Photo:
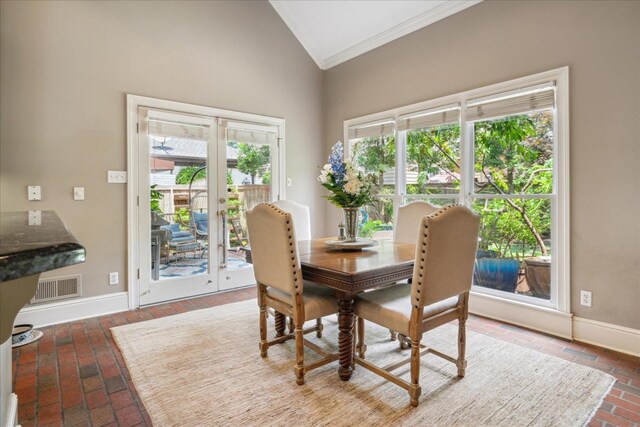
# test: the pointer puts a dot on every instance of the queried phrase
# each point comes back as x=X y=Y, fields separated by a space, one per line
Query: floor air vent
x=57 y=288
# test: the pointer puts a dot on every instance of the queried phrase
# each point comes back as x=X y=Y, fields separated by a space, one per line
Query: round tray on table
x=358 y=245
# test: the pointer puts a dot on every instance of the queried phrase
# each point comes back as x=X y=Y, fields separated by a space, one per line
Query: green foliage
x=512 y=156
x=185 y=174
x=154 y=197
x=433 y=151
x=233 y=208
x=253 y=159
x=368 y=228
x=266 y=177
x=229 y=179
x=515 y=156
x=182 y=216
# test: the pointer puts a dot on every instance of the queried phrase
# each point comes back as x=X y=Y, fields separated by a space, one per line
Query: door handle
x=223 y=245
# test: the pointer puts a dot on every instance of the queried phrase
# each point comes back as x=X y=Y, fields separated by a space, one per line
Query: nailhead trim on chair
x=291 y=251
x=424 y=250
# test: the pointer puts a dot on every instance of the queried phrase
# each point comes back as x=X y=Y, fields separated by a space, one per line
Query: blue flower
x=336 y=161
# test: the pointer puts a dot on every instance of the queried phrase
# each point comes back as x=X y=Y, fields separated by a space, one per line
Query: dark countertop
x=32 y=249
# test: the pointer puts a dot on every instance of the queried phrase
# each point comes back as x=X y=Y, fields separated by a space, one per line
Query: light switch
x=117 y=177
x=34 y=193
x=35 y=218
x=78 y=193
x=289 y=182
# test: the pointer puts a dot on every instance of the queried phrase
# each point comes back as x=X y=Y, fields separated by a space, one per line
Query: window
x=499 y=150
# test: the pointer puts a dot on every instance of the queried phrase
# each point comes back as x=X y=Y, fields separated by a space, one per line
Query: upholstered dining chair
x=439 y=293
x=408 y=220
x=407 y=223
x=280 y=285
x=301 y=217
x=302 y=226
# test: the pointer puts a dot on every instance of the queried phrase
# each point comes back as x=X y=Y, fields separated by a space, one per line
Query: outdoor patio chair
x=179 y=241
x=439 y=293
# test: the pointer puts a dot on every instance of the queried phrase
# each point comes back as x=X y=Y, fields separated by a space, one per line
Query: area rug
x=203 y=368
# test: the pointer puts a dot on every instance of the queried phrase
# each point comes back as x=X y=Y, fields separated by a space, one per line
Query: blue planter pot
x=497 y=273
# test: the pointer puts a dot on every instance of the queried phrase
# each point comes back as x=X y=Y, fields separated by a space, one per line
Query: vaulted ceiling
x=334 y=31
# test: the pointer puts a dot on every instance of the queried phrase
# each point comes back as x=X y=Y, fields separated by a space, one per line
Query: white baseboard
x=12 y=416
x=541 y=319
x=607 y=335
x=73 y=309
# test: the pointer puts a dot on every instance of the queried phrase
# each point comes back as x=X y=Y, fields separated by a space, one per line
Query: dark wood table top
x=356 y=271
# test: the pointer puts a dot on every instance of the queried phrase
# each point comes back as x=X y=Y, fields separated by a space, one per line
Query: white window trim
x=135 y=101
x=522 y=310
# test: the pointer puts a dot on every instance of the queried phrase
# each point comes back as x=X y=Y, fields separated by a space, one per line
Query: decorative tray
x=358 y=245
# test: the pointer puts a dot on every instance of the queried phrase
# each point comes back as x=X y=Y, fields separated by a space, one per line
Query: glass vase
x=351 y=224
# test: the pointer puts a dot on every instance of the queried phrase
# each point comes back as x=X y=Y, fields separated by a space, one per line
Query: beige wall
x=497 y=41
x=65 y=68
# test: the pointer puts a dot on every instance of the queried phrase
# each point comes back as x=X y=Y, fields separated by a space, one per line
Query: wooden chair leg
x=264 y=345
x=291 y=328
x=462 y=341
x=280 y=321
x=394 y=335
x=320 y=328
x=299 y=369
x=362 y=348
x=402 y=341
x=414 y=388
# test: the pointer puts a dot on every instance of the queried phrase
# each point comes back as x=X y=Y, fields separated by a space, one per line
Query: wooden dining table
x=350 y=273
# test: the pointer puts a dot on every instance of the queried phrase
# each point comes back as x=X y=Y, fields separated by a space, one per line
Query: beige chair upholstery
x=408 y=220
x=280 y=285
x=301 y=217
x=405 y=230
x=442 y=275
x=302 y=227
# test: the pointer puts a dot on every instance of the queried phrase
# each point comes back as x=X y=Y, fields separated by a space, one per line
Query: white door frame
x=133 y=238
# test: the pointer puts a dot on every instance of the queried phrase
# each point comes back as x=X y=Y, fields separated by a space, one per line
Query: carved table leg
x=345 y=338
x=280 y=321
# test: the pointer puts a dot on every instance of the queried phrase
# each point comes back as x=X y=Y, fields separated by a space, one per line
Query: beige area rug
x=203 y=368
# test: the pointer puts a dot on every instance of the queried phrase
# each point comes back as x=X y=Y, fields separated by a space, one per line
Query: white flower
x=353 y=186
x=324 y=176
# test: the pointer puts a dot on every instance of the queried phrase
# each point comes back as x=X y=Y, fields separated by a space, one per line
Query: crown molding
x=295 y=29
x=427 y=18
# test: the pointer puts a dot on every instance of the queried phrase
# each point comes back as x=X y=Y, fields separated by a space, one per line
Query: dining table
x=352 y=272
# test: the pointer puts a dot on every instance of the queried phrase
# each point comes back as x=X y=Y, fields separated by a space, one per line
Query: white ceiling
x=334 y=31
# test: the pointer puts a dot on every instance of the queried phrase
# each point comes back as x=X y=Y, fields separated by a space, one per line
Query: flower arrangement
x=350 y=187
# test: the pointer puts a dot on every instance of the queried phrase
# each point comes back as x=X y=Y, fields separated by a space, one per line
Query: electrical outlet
x=113 y=278
x=78 y=193
x=34 y=192
x=585 y=298
x=35 y=218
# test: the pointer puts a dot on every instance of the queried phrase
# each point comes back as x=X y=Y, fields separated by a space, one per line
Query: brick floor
x=75 y=375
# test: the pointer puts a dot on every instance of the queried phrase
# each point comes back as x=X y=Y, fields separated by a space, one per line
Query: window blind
x=175 y=125
x=372 y=130
x=251 y=136
x=429 y=118
x=510 y=103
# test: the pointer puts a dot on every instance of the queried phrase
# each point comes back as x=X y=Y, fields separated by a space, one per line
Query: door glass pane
x=248 y=184
x=514 y=251
x=514 y=155
x=179 y=216
x=377 y=155
x=433 y=160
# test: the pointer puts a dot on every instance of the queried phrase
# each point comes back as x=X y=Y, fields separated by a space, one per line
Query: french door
x=197 y=176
